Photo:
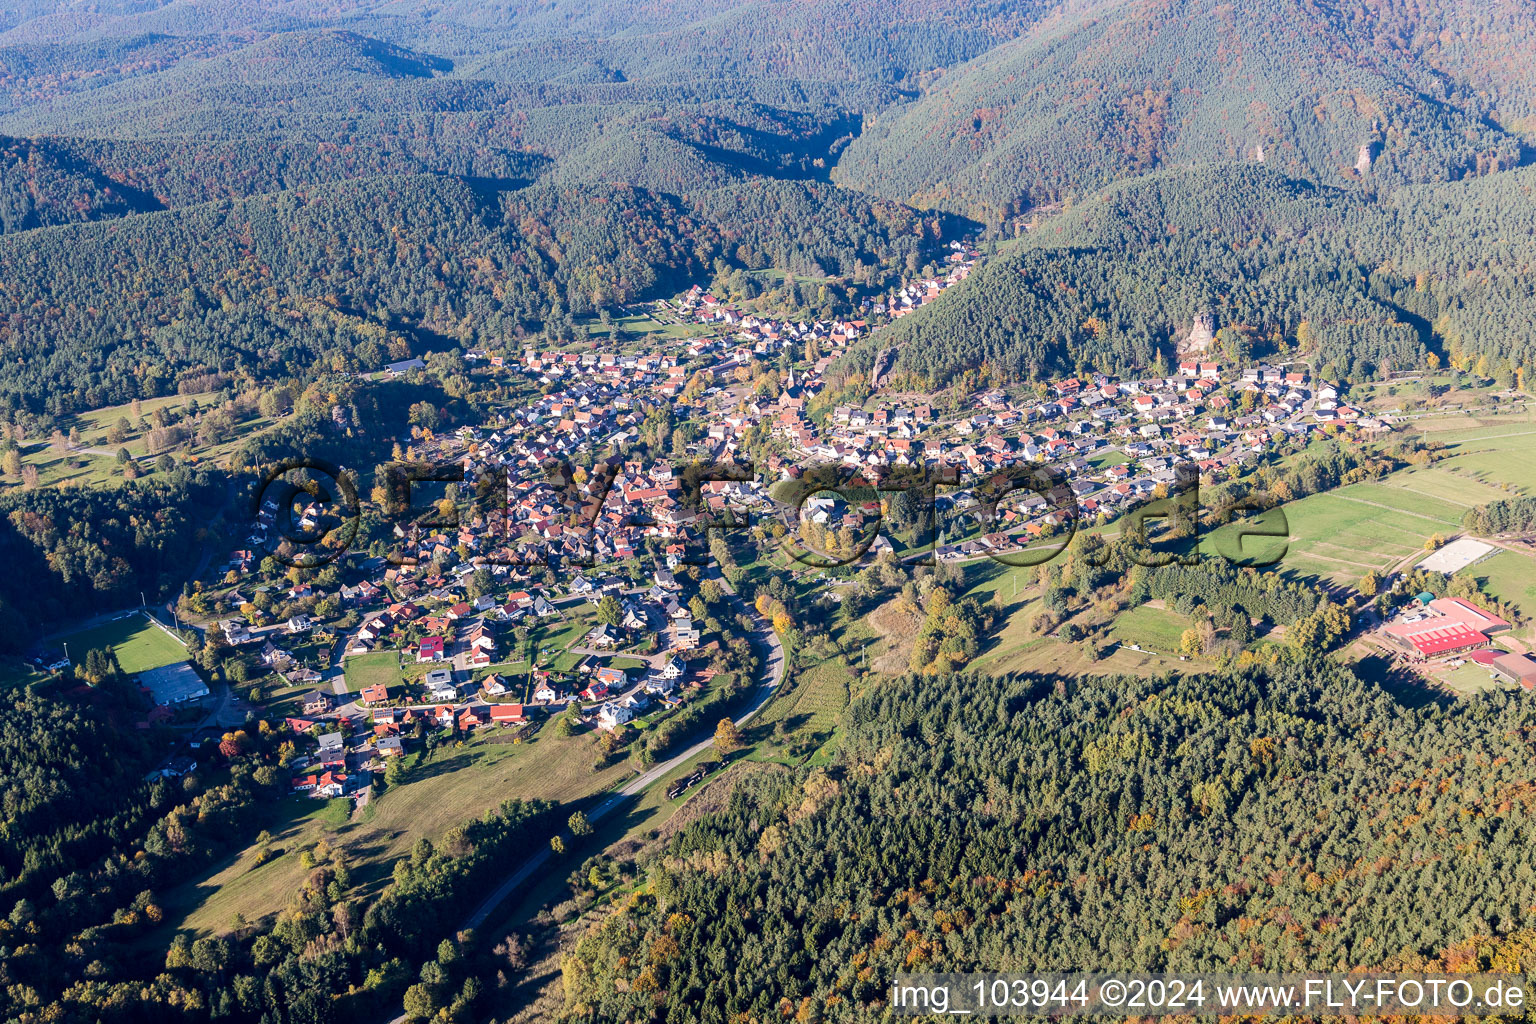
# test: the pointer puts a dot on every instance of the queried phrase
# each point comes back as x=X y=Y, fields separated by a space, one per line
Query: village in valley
x=618 y=567
x=559 y=582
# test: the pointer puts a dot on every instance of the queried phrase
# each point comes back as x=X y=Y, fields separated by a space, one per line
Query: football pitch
x=139 y=644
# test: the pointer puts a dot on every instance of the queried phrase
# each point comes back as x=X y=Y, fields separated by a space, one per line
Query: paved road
x=772 y=675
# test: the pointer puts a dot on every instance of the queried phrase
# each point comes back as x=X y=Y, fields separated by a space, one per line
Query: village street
x=770 y=676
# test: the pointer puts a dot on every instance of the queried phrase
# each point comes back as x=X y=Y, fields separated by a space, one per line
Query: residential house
x=611 y=716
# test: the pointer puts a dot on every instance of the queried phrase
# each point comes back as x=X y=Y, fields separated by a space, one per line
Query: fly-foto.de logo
x=308 y=513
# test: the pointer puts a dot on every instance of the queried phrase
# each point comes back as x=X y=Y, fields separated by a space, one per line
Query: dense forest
x=1039 y=824
x=467 y=174
x=1119 y=88
x=305 y=281
x=1424 y=276
x=1512 y=515
x=456 y=174
x=92 y=844
x=78 y=551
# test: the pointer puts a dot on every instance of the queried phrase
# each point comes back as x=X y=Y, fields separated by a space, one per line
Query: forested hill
x=1363 y=285
x=177 y=104
x=1119 y=88
x=305 y=151
x=826 y=40
x=1260 y=821
x=308 y=69
x=42 y=183
x=309 y=280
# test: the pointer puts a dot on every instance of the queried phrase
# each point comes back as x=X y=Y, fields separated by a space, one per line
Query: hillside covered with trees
x=274 y=285
x=1110 y=90
x=1422 y=276
x=1040 y=824
x=470 y=174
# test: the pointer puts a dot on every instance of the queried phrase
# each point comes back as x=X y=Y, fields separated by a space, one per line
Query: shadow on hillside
x=1406 y=687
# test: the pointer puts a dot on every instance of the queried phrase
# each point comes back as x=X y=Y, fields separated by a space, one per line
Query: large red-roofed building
x=1450 y=625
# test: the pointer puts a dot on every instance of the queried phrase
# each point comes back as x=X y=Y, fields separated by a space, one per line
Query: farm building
x=1446 y=626
x=1516 y=668
x=174 y=684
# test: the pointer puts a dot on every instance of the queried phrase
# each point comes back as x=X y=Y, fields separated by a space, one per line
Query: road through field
x=771 y=674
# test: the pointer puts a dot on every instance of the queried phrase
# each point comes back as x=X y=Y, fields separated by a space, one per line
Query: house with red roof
x=508 y=714
x=322 y=786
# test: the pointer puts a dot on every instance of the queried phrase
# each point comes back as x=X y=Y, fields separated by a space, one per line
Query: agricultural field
x=805 y=709
x=1502 y=457
x=1340 y=535
x=139 y=644
x=1047 y=654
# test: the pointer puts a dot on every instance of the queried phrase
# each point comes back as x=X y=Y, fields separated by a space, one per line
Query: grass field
x=1045 y=654
x=18 y=672
x=1509 y=576
x=643 y=326
x=59 y=465
x=458 y=783
x=1341 y=534
x=285 y=701
x=363 y=670
x=806 y=708
x=78 y=468
x=1484 y=463
x=1104 y=460
x=1469 y=680
x=555 y=635
x=1156 y=629
x=138 y=644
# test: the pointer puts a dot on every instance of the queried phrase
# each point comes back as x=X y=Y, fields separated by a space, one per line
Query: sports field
x=138 y=644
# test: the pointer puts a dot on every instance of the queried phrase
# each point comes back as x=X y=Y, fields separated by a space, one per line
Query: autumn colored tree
x=727 y=737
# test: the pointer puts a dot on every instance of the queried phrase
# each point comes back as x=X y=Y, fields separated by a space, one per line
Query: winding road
x=772 y=674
